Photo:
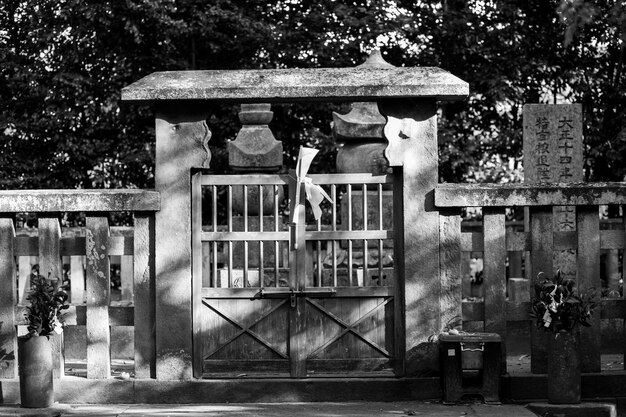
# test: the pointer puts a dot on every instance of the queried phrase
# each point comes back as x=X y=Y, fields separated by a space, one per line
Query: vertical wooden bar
x=349 y=192
x=612 y=269
x=450 y=261
x=245 y=243
x=318 y=248
x=301 y=278
x=541 y=254
x=399 y=303
x=126 y=277
x=494 y=271
x=261 y=260
x=206 y=264
x=381 y=245
x=297 y=280
x=213 y=281
x=25 y=269
x=333 y=195
x=196 y=272
x=77 y=285
x=98 y=297
x=144 y=289
x=50 y=247
x=182 y=137
x=229 y=220
x=588 y=276
x=365 y=245
x=624 y=292
x=50 y=267
x=8 y=334
x=276 y=244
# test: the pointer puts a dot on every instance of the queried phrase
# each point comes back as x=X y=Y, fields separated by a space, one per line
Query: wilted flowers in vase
x=47 y=301
x=559 y=306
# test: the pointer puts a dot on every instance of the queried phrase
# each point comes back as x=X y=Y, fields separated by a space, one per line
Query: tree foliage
x=63 y=64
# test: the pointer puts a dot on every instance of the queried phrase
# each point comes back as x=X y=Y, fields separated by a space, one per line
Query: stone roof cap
x=288 y=85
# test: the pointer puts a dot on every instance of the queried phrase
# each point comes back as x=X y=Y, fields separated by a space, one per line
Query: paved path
x=396 y=409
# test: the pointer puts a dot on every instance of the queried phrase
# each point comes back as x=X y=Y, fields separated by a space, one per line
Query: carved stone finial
x=375 y=60
x=361 y=130
x=255 y=148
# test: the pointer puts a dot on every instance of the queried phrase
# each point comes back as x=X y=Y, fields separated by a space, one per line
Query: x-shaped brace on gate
x=349 y=328
x=245 y=329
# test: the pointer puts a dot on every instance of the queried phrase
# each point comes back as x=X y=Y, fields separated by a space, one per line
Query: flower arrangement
x=47 y=301
x=558 y=306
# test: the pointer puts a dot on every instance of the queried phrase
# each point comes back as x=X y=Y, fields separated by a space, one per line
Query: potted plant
x=45 y=319
x=560 y=309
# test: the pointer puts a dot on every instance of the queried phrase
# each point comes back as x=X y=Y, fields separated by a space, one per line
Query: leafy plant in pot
x=559 y=308
x=45 y=319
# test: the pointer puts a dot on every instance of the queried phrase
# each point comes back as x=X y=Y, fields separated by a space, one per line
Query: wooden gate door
x=274 y=297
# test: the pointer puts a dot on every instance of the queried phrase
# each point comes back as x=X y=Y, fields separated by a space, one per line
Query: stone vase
x=35 y=371
x=564 y=368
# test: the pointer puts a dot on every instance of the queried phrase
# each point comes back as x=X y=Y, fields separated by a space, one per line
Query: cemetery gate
x=275 y=298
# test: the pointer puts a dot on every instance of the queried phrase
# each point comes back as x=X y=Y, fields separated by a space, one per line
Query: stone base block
x=574 y=410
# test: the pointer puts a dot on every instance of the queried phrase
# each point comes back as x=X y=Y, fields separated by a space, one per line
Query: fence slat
x=24 y=271
x=624 y=292
x=98 y=297
x=542 y=248
x=77 y=282
x=145 y=351
x=126 y=277
x=450 y=264
x=50 y=266
x=588 y=276
x=8 y=335
x=494 y=273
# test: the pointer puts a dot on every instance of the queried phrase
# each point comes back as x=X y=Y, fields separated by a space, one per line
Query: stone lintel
x=520 y=195
x=286 y=85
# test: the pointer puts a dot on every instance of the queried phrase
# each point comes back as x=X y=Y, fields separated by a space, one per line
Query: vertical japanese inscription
x=542 y=149
x=553 y=148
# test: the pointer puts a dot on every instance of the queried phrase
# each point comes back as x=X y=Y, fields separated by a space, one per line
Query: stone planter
x=35 y=371
x=564 y=368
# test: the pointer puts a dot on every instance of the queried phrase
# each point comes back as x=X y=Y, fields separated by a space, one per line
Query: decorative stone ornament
x=361 y=131
x=255 y=148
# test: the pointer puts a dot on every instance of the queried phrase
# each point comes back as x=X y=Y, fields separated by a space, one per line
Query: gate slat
x=588 y=276
x=50 y=267
x=197 y=270
x=450 y=260
x=542 y=246
x=144 y=311
x=98 y=298
x=494 y=273
x=623 y=292
x=8 y=335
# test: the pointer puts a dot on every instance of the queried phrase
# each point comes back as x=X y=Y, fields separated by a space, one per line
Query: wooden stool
x=470 y=365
